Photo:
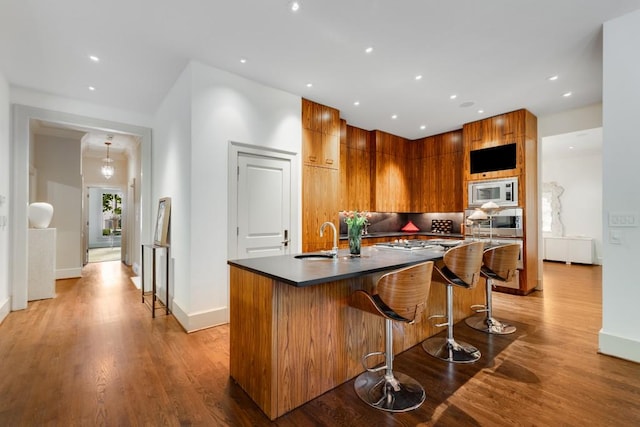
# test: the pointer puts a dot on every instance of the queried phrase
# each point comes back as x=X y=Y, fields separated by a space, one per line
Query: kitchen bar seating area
x=167 y=377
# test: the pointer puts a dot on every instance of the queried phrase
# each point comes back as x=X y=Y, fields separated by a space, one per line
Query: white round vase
x=40 y=214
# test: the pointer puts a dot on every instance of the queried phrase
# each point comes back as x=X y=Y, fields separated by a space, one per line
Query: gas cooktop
x=416 y=245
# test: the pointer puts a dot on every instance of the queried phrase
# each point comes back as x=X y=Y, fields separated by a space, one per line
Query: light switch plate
x=615 y=237
x=623 y=219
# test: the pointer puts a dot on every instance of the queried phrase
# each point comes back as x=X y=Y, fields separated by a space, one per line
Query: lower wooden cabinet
x=320 y=203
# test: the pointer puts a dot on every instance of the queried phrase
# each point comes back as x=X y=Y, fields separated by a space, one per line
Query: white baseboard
x=136 y=268
x=136 y=281
x=68 y=273
x=201 y=320
x=5 y=308
x=624 y=348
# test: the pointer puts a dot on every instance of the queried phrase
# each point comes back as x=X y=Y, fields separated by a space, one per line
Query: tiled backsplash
x=391 y=222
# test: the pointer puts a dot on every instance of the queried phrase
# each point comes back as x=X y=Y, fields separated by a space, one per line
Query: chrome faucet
x=334 y=250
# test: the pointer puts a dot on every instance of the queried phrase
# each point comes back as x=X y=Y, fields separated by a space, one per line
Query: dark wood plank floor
x=93 y=356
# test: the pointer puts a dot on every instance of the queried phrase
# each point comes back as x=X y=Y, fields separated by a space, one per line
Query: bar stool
x=399 y=296
x=460 y=266
x=500 y=264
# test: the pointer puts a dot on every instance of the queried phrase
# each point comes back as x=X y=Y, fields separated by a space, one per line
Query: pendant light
x=107 y=168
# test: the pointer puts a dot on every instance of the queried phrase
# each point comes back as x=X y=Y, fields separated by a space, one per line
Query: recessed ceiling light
x=552 y=78
x=395 y=116
x=294 y=6
x=419 y=77
x=356 y=103
x=91 y=88
x=480 y=111
x=571 y=147
x=423 y=127
x=94 y=58
x=567 y=94
x=369 y=49
x=243 y=60
x=453 y=96
x=309 y=84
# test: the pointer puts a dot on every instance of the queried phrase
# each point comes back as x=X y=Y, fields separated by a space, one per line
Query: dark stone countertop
x=402 y=234
x=308 y=272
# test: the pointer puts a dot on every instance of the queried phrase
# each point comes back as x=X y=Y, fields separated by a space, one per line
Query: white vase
x=40 y=214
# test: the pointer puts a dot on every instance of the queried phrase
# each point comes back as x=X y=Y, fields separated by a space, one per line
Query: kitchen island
x=293 y=335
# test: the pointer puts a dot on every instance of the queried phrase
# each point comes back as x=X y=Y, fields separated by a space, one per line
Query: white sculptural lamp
x=490 y=208
x=40 y=214
x=477 y=216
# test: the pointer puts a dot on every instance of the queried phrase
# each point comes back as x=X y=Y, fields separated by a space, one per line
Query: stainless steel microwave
x=503 y=192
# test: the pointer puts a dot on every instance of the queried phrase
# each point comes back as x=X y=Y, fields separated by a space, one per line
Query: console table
x=154 y=297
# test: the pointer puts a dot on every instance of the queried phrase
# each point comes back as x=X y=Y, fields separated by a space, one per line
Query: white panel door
x=264 y=194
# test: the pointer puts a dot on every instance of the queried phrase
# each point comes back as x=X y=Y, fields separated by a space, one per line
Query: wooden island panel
x=291 y=344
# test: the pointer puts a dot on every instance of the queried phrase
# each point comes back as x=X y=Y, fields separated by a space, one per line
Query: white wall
x=5 y=197
x=171 y=178
x=57 y=161
x=589 y=117
x=581 y=202
x=205 y=110
x=620 y=335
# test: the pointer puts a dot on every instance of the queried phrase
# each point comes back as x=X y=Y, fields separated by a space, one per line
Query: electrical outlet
x=623 y=219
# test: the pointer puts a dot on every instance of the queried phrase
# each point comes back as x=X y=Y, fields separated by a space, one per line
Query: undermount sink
x=313 y=256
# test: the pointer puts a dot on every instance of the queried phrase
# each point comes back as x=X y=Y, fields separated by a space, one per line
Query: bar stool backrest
x=465 y=261
x=501 y=261
x=405 y=291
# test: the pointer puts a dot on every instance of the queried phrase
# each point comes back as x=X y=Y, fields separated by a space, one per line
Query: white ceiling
x=92 y=142
x=581 y=143
x=495 y=53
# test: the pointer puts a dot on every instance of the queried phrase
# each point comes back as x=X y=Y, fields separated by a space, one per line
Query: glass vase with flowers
x=355 y=221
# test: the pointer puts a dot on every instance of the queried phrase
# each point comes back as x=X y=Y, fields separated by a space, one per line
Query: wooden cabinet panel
x=320 y=203
x=312 y=147
x=331 y=151
x=344 y=176
x=330 y=121
x=473 y=131
x=311 y=115
x=355 y=162
x=437 y=179
x=391 y=190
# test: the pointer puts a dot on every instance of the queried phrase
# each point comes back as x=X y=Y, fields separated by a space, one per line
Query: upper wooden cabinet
x=514 y=127
x=497 y=130
x=390 y=184
x=436 y=177
x=320 y=135
x=320 y=118
x=355 y=169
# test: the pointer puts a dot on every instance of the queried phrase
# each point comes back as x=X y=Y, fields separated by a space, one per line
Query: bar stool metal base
x=450 y=350
x=399 y=393
x=490 y=325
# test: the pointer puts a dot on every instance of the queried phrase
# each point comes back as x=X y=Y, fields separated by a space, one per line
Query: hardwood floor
x=94 y=356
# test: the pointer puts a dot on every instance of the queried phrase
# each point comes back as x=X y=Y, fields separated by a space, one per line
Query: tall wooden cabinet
x=519 y=127
x=355 y=168
x=320 y=173
x=390 y=185
x=436 y=173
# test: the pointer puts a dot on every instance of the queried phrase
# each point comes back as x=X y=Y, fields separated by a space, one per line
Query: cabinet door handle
x=329 y=161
